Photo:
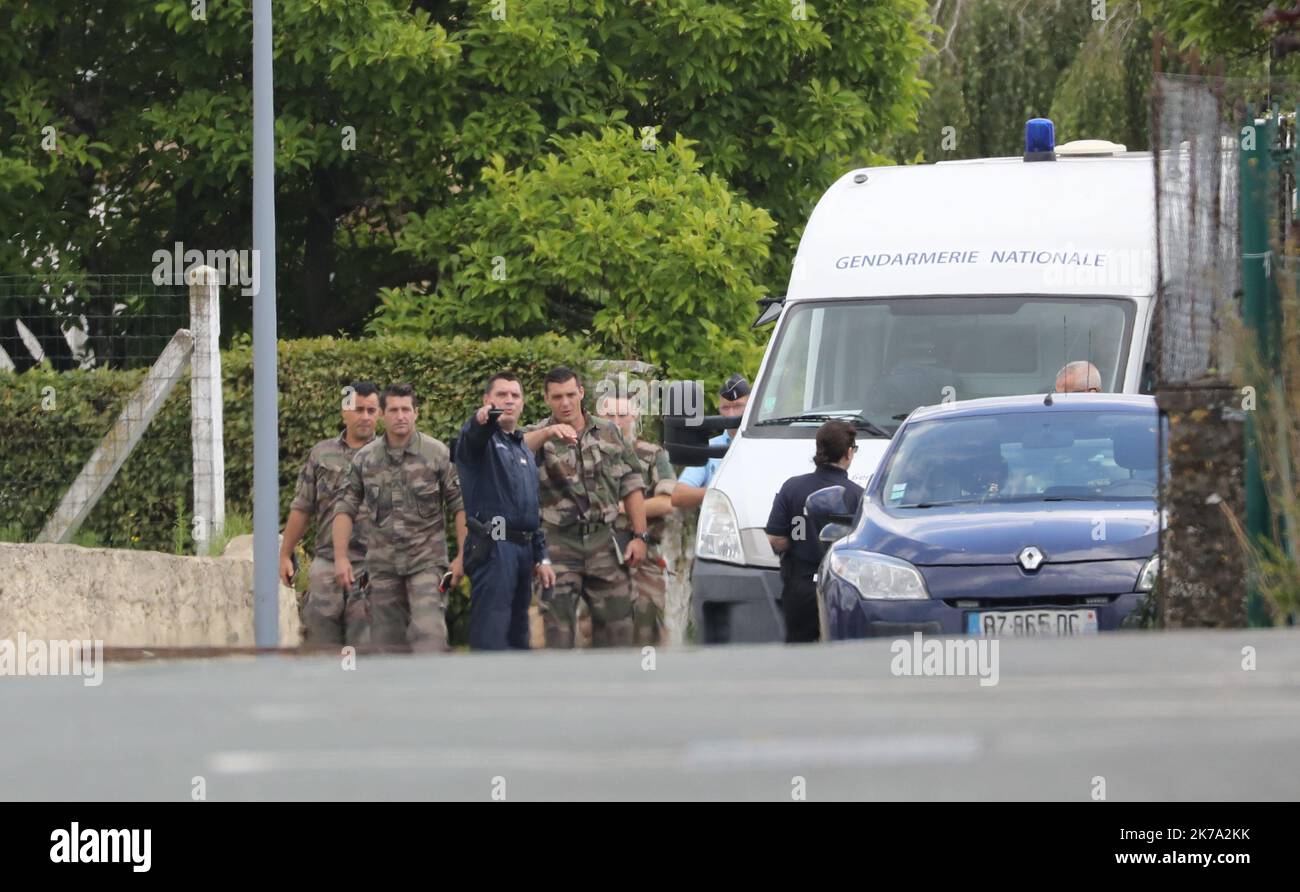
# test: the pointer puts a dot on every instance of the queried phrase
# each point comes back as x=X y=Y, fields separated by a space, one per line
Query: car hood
x=995 y=534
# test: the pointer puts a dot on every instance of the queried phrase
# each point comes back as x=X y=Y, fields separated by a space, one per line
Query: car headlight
x=1150 y=572
x=878 y=576
x=719 y=532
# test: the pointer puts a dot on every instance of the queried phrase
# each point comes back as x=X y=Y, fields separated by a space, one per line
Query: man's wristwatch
x=644 y=537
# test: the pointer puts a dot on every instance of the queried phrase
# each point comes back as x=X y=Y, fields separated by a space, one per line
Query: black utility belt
x=588 y=528
x=521 y=537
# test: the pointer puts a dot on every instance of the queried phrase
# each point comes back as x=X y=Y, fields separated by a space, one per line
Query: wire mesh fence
x=1196 y=141
x=1225 y=203
x=91 y=368
x=87 y=321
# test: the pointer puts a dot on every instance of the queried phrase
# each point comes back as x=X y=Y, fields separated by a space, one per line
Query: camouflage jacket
x=403 y=496
x=584 y=483
x=660 y=480
x=320 y=486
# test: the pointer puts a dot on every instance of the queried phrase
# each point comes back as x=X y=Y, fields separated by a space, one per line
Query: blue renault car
x=1031 y=516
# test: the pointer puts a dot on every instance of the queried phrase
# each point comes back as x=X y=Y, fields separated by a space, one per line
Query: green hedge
x=148 y=503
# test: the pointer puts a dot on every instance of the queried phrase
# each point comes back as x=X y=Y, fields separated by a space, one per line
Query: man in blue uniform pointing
x=505 y=546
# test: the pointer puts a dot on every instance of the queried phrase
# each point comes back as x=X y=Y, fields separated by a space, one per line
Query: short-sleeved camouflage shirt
x=320 y=485
x=403 y=494
x=584 y=483
x=660 y=480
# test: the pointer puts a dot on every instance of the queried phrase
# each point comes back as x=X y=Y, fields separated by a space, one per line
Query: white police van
x=916 y=285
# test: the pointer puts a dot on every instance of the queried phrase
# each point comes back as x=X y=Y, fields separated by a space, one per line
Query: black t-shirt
x=789 y=503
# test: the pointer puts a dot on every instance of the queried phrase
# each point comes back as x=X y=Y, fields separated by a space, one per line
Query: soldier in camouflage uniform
x=585 y=467
x=649 y=579
x=402 y=484
x=325 y=618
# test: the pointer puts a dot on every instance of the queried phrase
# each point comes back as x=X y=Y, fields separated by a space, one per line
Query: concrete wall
x=132 y=598
x=678 y=550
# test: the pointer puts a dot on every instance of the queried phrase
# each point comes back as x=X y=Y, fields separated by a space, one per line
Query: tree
x=1254 y=40
x=1215 y=27
x=997 y=63
x=152 y=104
x=1105 y=91
x=390 y=109
x=612 y=234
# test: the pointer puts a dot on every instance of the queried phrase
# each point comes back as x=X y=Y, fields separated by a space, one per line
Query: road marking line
x=905 y=749
x=714 y=755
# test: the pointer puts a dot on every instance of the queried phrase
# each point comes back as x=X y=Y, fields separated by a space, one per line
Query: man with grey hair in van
x=1078 y=377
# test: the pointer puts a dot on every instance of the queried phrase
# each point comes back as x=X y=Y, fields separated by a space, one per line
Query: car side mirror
x=833 y=532
x=827 y=506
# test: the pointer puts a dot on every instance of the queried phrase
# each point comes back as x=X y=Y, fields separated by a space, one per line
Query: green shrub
x=651 y=257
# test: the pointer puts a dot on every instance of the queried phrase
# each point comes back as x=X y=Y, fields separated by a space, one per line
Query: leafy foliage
x=1215 y=27
x=612 y=235
x=389 y=110
x=997 y=63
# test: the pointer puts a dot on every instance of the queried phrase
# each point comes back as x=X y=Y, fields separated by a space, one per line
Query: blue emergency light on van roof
x=1040 y=140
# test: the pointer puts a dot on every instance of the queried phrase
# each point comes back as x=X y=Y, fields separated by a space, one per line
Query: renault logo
x=1030 y=557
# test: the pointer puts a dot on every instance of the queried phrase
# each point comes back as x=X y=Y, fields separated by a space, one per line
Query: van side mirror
x=687 y=430
x=769 y=309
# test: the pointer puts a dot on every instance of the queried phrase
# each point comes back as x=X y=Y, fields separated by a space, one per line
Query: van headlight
x=1150 y=572
x=718 y=538
x=878 y=576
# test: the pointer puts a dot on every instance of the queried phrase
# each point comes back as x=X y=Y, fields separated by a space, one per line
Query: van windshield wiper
x=858 y=421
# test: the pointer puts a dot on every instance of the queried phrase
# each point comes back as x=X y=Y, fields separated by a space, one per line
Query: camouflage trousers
x=326 y=618
x=586 y=571
x=649 y=596
x=408 y=610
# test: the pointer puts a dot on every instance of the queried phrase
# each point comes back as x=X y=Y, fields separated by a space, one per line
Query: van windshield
x=875 y=360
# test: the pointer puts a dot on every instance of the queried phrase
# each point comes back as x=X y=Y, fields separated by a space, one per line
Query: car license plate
x=1031 y=623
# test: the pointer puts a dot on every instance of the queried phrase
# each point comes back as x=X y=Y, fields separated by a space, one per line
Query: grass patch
x=237 y=524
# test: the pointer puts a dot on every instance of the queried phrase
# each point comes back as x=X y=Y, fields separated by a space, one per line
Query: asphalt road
x=1157 y=715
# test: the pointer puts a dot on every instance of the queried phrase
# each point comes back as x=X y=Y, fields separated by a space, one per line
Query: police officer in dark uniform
x=505 y=546
x=791 y=534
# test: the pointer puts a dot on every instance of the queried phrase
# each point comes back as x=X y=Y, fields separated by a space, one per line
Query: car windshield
x=880 y=359
x=1049 y=455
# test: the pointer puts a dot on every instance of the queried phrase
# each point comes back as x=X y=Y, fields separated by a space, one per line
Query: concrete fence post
x=206 y=408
